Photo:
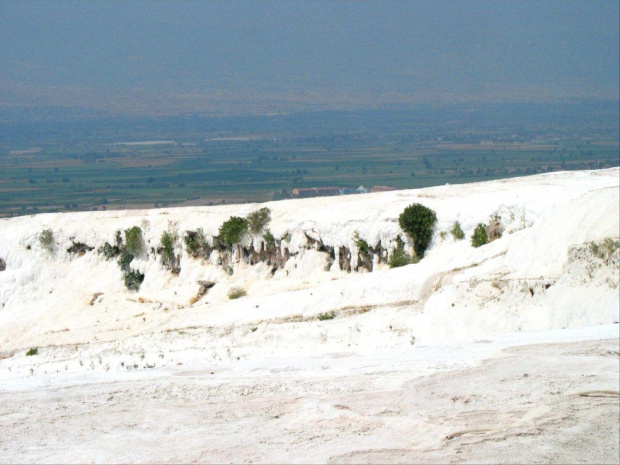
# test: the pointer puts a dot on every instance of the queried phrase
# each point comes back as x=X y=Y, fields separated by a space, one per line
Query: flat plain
x=64 y=164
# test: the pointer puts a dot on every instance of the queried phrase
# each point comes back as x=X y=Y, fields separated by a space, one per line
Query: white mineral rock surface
x=500 y=354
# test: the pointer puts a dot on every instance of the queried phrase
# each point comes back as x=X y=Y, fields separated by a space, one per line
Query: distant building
x=382 y=189
x=325 y=191
x=315 y=191
x=359 y=190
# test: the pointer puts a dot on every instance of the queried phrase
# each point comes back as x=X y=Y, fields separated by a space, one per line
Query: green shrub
x=595 y=249
x=109 y=251
x=124 y=260
x=457 y=231
x=195 y=242
x=258 y=219
x=479 y=237
x=32 y=351
x=269 y=239
x=233 y=230
x=235 y=293
x=133 y=279
x=610 y=246
x=326 y=316
x=399 y=258
x=606 y=249
x=46 y=239
x=134 y=243
x=168 y=240
x=418 y=221
x=361 y=244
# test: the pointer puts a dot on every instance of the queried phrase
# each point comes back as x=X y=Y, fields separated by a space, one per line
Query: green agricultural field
x=88 y=165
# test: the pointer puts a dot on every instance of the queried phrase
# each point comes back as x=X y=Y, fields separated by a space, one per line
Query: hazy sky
x=182 y=53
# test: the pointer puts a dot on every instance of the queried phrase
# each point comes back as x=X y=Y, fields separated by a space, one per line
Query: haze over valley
x=309 y=232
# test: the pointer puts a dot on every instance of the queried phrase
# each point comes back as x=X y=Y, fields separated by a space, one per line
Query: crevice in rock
x=79 y=248
x=344 y=258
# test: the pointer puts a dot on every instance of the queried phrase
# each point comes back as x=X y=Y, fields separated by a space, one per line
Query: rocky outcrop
x=344 y=258
x=79 y=248
x=275 y=255
x=170 y=262
x=203 y=289
x=494 y=230
x=365 y=260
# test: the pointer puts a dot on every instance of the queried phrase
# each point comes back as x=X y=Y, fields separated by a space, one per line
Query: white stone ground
x=541 y=397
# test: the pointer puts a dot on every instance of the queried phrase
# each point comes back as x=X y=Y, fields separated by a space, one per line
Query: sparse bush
x=326 y=316
x=124 y=260
x=46 y=239
x=133 y=279
x=195 y=242
x=479 y=237
x=361 y=244
x=125 y=253
x=399 y=258
x=32 y=351
x=610 y=246
x=168 y=241
x=134 y=243
x=233 y=230
x=258 y=219
x=287 y=237
x=418 y=221
x=236 y=292
x=457 y=231
x=595 y=249
x=606 y=249
x=109 y=251
x=269 y=239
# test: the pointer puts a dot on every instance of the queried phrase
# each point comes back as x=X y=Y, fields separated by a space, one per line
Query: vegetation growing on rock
x=605 y=249
x=232 y=230
x=457 y=231
x=418 y=222
x=195 y=242
x=46 y=239
x=167 y=242
x=32 y=351
x=236 y=293
x=479 y=237
x=133 y=279
x=134 y=243
x=125 y=259
x=362 y=245
x=399 y=258
x=269 y=239
x=258 y=219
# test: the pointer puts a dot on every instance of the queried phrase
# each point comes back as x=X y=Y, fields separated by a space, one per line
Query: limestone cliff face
x=550 y=263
